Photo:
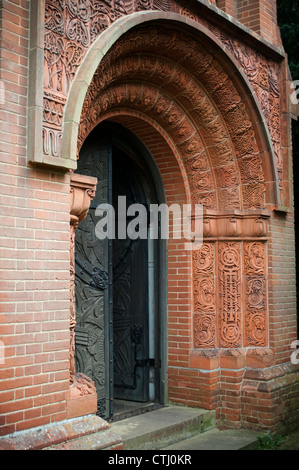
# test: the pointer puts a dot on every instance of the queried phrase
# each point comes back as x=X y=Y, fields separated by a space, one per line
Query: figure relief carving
x=204 y=330
x=254 y=258
x=204 y=292
x=203 y=259
x=256 y=328
x=255 y=293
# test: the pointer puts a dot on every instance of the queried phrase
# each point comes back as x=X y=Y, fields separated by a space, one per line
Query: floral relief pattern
x=255 y=328
x=204 y=297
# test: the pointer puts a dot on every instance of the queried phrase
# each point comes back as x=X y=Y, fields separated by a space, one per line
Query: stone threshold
x=84 y=433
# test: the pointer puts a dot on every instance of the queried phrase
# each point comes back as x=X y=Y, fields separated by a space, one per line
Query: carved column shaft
x=81 y=193
x=230 y=285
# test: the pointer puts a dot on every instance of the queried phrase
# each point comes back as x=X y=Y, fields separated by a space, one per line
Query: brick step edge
x=86 y=432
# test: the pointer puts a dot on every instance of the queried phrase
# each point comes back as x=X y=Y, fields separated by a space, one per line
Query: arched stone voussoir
x=202 y=89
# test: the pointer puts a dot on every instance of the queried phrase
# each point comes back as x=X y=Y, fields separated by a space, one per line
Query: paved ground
x=216 y=440
x=234 y=440
x=290 y=442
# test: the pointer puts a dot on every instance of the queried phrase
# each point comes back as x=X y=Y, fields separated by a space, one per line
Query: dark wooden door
x=130 y=292
x=111 y=288
x=93 y=284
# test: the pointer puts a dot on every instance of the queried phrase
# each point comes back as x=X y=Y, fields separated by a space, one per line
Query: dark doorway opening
x=118 y=288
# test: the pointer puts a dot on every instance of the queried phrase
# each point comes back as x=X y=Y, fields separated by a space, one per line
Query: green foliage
x=268 y=442
x=288 y=21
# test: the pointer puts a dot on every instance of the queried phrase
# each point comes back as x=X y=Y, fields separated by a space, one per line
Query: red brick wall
x=282 y=286
x=228 y=6
x=260 y=16
x=34 y=285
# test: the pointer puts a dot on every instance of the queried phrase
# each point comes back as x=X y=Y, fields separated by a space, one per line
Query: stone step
x=83 y=433
x=162 y=427
x=214 y=439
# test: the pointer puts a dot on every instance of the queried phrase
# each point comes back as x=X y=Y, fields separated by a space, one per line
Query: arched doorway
x=118 y=274
x=204 y=129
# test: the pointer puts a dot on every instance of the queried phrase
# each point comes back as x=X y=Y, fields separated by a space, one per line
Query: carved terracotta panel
x=255 y=302
x=229 y=294
x=204 y=297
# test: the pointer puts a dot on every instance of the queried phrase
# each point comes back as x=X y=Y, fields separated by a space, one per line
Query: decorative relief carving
x=203 y=259
x=254 y=258
x=71 y=26
x=263 y=76
x=204 y=330
x=226 y=176
x=122 y=58
x=204 y=292
x=229 y=271
x=218 y=312
x=204 y=297
x=229 y=198
x=251 y=169
x=255 y=294
x=52 y=141
x=256 y=328
x=253 y=195
x=238 y=225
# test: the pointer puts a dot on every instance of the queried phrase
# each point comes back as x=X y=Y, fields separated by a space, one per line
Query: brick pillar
x=228 y=6
x=260 y=16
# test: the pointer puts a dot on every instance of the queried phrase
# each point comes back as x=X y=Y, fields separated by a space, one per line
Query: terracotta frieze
x=235 y=224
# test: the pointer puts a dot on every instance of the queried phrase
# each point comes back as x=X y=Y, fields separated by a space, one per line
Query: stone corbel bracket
x=235 y=224
x=82 y=191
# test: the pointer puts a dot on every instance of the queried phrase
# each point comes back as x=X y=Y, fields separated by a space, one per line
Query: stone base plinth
x=81 y=398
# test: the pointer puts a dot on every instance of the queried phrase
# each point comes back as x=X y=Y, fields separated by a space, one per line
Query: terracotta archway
x=201 y=112
x=223 y=83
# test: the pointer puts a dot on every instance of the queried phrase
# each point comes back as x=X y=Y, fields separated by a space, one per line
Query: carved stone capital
x=82 y=192
x=235 y=224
